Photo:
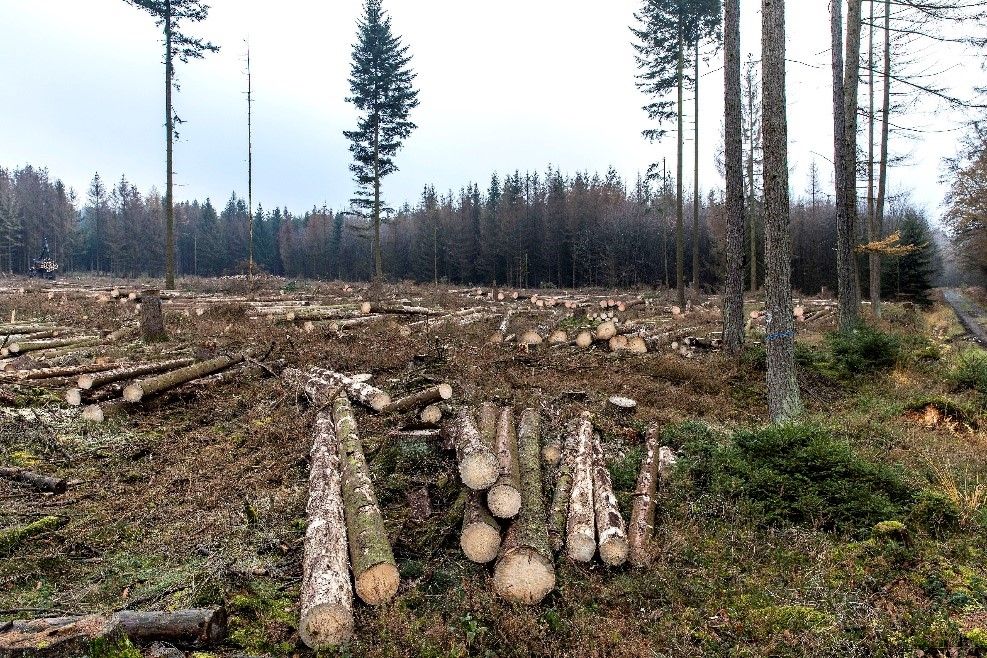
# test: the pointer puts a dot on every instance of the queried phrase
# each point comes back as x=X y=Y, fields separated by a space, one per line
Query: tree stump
x=152 y=320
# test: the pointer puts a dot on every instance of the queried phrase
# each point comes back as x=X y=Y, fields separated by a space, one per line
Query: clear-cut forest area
x=550 y=414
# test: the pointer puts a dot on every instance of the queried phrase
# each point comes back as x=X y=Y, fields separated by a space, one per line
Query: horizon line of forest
x=524 y=230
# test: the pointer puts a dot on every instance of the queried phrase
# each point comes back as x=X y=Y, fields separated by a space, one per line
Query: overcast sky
x=513 y=84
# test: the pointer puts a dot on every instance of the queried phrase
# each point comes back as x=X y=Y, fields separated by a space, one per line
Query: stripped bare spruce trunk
x=504 y=497
x=581 y=523
x=478 y=465
x=362 y=392
x=326 y=594
x=153 y=385
x=197 y=627
x=374 y=569
x=609 y=522
x=643 y=507
x=420 y=399
x=525 y=571
x=117 y=373
x=480 y=539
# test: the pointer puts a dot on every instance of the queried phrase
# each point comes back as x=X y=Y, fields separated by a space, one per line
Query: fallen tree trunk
x=37 y=345
x=609 y=523
x=558 y=511
x=362 y=392
x=581 y=522
x=504 y=497
x=37 y=481
x=366 y=308
x=64 y=371
x=643 y=505
x=11 y=538
x=501 y=333
x=374 y=570
x=525 y=571
x=97 y=413
x=192 y=628
x=326 y=618
x=420 y=399
x=75 y=397
x=116 y=373
x=478 y=465
x=480 y=538
x=147 y=387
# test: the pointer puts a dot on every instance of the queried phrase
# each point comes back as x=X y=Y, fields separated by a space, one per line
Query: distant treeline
x=523 y=230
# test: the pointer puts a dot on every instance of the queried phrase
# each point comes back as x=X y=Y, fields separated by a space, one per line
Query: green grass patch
x=970 y=370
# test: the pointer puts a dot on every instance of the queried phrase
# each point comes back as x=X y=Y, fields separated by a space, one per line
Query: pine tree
x=733 y=302
x=381 y=87
x=169 y=14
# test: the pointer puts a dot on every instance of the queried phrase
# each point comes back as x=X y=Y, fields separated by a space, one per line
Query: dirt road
x=971 y=314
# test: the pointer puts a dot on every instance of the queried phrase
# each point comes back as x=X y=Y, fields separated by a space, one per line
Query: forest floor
x=199 y=498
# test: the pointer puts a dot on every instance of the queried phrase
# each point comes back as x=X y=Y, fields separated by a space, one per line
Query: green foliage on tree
x=382 y=90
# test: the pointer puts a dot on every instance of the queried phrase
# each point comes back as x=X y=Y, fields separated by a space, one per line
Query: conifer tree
x=382 y=90
x=169 y=15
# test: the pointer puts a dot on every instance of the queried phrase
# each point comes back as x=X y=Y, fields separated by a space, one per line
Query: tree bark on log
x=609 y=522
x=37 y=481
x=38 y=345
x=480 y=538
x=525 y=570
x=367 y=308
x=116 y=373
x=152 y=320
x=147 y=387
x=504 y=497
x=11 y=538
x=193 y=628
x=326 y=618
x=362 y=392
x=478 y=465
x=420 y=399
x=643 y=506
x=63 y=371
x=501 y=333
x=374 y=570
x=581 y=523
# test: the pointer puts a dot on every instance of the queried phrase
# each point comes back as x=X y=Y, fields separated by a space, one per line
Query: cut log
x=530 y=339
x=37 y=345
x=637 y=345
x=431 y=415
x=151 y=319
x=581 y=523
x=478 y=465
x=420 y=399
x=374 y=569
x=61 y=371
x=606 y=331
x=116 y=373
x=501 y=333
x=480 y=539
x=525 y=570
x=97 y=413
x=121 y=333
x=622 y=404
x=666 y=461
x=609 y=523
x=618 y=343
x=11 y=538
x=558 y=511
x=152 y=385
x=362 y=392
x=36 y=481
x=366 y=308
x=551 y=452
x=643 y=506
x=558 y=337
x=191 y=628
x=584 y=339
x=504 y=497
x=326 y=595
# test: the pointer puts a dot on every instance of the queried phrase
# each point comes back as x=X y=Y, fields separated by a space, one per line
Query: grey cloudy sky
x=513 y=84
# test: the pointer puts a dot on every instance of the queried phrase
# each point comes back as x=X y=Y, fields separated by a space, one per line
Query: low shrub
x=795 y=474
x=863 y=350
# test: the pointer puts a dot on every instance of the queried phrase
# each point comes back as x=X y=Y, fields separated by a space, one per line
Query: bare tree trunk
x=680 y=208
x=250 y=177
x=784 y=401
x=845 y=77
x=733 y=295
x=170 y=137
x=504 y=497
x=581 y=523
x=882 y=185
x=874 y=260
x=152 y=320
x=610 y=525
x=480 y=538
x=695 y=192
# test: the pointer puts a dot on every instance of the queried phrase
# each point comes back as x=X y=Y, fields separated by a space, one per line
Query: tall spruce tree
x=382 y=89
x=169 y=14
x=733 y=294
x=666 y=31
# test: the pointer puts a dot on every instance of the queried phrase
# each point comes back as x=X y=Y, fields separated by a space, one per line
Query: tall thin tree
x=784 y=400
x=250 y=175
x=169 y=15
x=382 y=90
x=733 y=303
